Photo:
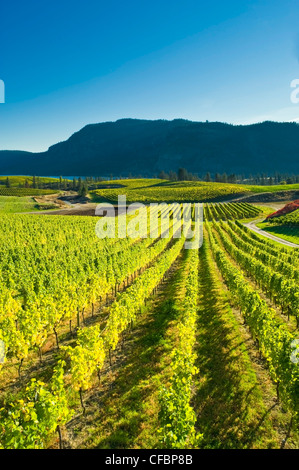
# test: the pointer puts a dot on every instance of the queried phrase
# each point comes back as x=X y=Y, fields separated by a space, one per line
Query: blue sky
x=69 y=63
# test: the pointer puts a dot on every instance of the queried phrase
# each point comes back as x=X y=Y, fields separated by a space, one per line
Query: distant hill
x=143 y=147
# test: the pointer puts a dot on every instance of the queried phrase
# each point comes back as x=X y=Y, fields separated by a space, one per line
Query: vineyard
x=18 y=181
x=284 y=226
x=289 y=219
x=140 y=343
x=157 y=190
x=147 y=191
x=230 y=211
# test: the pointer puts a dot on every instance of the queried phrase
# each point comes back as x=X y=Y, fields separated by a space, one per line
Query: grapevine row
x=282 y=291
x=49 y=296
x=274 y=339
x=177 y=416
x=33 y=411
x=268 y=259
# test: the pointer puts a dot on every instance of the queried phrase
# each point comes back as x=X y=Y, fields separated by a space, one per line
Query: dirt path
x=74 y=209
x=252 y=226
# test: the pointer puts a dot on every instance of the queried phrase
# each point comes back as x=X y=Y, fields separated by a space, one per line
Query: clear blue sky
x=69 y=63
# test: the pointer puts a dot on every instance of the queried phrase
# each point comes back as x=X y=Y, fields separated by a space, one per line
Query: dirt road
x=72 y=209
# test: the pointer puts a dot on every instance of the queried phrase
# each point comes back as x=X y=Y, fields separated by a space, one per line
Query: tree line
x=83 y=184
x=260 y=179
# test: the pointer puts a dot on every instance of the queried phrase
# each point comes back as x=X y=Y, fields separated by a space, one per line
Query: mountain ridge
x=145 y=147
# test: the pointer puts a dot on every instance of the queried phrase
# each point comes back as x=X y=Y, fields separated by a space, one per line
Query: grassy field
x=18 y=204
x=273 y=188
x=14 y=204
x=285 y=226
x=286 y=232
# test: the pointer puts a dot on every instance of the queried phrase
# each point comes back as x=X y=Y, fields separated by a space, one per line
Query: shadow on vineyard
x=287 y=232
x=124 y=413
x=228 y=400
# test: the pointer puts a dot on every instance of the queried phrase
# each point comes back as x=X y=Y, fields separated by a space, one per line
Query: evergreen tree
x=79 y=186
x=173 y=176
x=232 y=178
x=182 y=174
x=84 y=190
x=208 y=178
x=163 y=175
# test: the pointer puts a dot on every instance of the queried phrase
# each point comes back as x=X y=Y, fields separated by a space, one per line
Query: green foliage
x=30 y=420
x=286 y=232
x=289 y=219
x=227 y=211
x=279 y=277
x=10 y=191
x=45 y=207
x=92 y=345
x=167 y=191
x=273 y=337
x=14 y=204
x=17 y=181
x=52 y=267
x=177 y=416
x=273 y=189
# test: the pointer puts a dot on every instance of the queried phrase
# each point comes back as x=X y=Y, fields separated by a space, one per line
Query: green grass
x=12 y=205
x=286 y=232
x=273 y=188
x=264 y=211
x=16 y=204
x=125 y=414
x=232 y=411
x=233 y=399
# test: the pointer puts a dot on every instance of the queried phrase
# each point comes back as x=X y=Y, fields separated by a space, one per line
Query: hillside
x=289 y=208
x=146 y=147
